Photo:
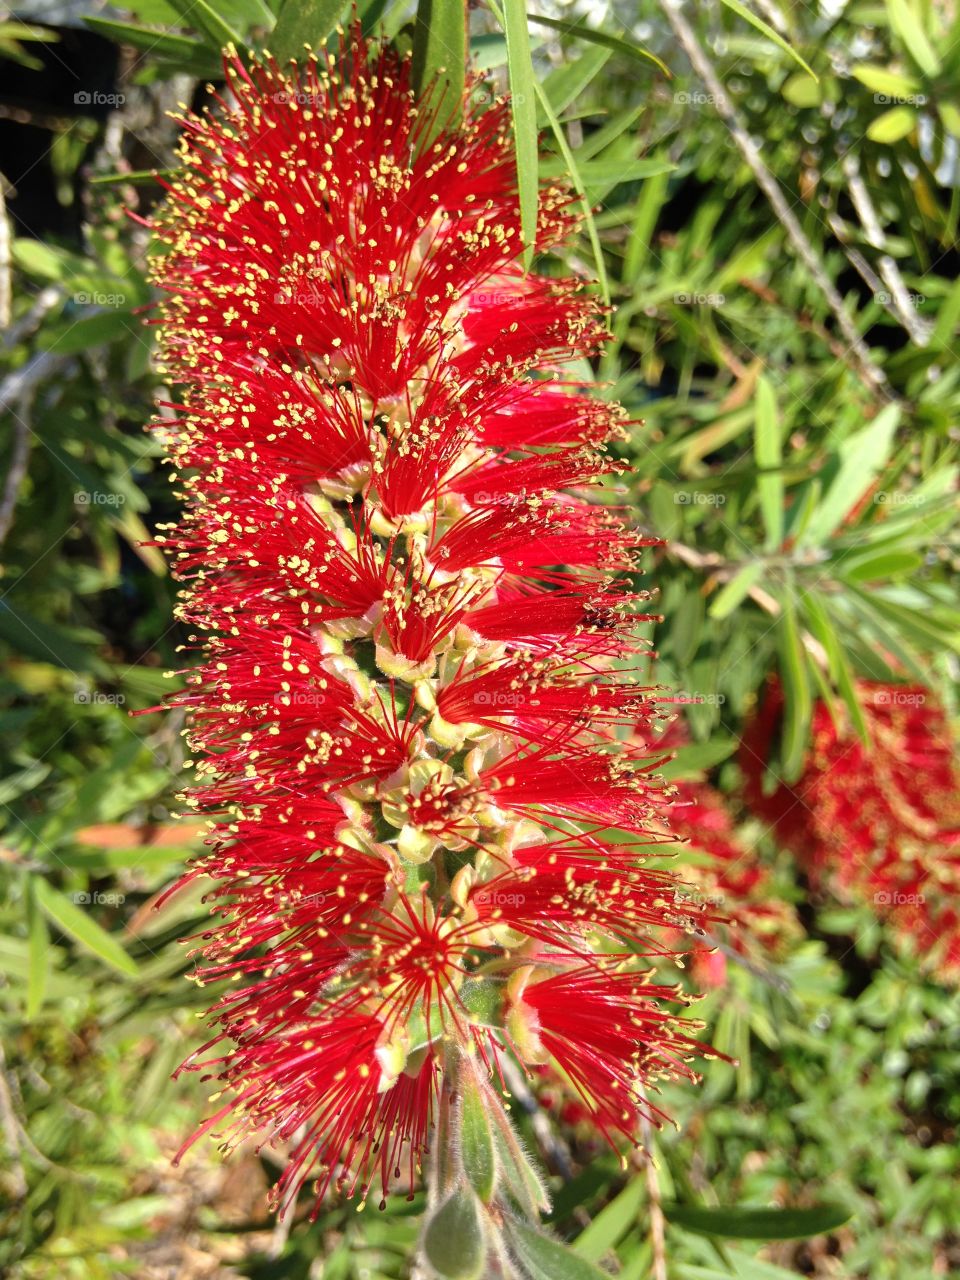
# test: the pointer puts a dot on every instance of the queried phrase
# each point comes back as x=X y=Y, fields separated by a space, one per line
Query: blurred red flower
x=875 y=823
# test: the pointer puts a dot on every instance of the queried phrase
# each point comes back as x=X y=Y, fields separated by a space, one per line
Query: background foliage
x=775 y=222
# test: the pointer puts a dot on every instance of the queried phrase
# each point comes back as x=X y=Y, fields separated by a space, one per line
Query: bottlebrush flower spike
x=877 y=824
x=417 y=659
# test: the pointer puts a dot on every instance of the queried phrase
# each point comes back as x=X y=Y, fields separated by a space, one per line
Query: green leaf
x=39 y=950
x=907 y=24
x=23 y=31
x=892 y=125
x=801 y=91
x=580 y=31
x=798 y=701
x=743 y=12
x=453 y=1242
x=135 y=177
x=686 y=627
x=161 y=43
x=31 y=637
x=824 y=631
x=84 y=930
x=303 y=22
x=199 y=15
x=880 y=80
x=74 y=335
x=477 y=1149
x=440 y=61
x=861 y=457
x=543 y=1258
x=612 y=1223
x=691 y=761
x=523 y=110
x=881 y=566
x=612 y=171
x=647 y=211
x=520 y=1178
x=737 y=589
x=565 y=84
x=768 y=453
x=758 y=1224
x=950 y=115
x=579 y=187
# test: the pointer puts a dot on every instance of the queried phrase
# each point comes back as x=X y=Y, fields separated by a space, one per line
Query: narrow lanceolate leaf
x=77 y=922
x=543 y=1258
x=612 y=1222
x=519 y=1177
x=907 y=21
x=523 y=108
x=161 y=44
x=737 y=589
x=580 y=31
x=39 y=944
x=861 y=458
x=742 y=11
x=440 y=60
x=302 y=22
x=758 y=1224
x=477 y=1149
x=824 y=631
x=768 y=454
x=578 y=186
x=202 y=17
x=796 y=684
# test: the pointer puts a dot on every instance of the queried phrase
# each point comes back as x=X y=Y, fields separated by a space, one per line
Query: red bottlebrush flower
x=876 y=823
x=608 y=1033
x=416 y=659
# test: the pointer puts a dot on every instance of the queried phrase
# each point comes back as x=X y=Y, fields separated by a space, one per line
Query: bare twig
x=658 y=1242
x=6 y=262
x=19 y=458
x=554 y=1147
x=869 y=373
x=11 y=1136
x=768 y=976
x=896 y=298
x=45 y=301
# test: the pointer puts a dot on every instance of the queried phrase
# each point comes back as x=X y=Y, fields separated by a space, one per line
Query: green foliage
x=811 y=513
